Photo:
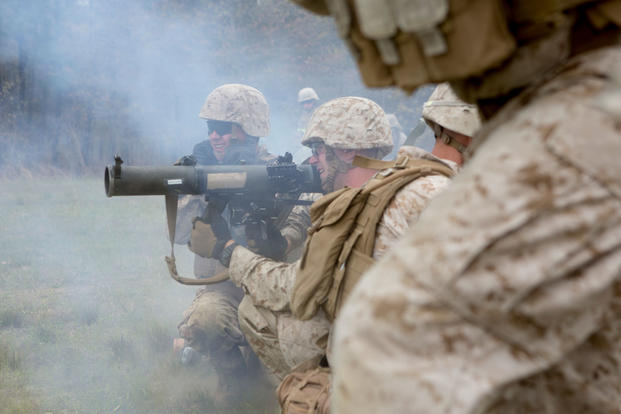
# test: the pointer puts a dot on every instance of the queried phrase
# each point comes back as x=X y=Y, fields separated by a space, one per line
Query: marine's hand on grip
x=209 y=236
x=265 y=239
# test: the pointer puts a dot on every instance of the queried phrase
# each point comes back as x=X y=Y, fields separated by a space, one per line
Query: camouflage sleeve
x=188 y=207
x=405 y=209
x=269 y=283
x=504 y=296
x=299 y=221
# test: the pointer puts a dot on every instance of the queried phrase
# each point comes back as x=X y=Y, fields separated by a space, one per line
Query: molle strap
x=420 y=167
x=401 y=162
x=371 y=163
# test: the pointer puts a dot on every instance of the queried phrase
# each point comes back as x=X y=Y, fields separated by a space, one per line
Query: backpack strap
x=357 y=253
x=401 y=162
x=323 y=246
x=342 y=221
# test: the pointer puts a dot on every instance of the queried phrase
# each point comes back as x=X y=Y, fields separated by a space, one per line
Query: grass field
x=87 y=309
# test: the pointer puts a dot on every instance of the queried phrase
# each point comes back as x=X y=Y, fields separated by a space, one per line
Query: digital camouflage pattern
x=296 y=225
x=505 y=296
x=409 y=203
x=210 y=326
x=280 y=340
x=444 y=108
x=241 y=104
x=350 y=123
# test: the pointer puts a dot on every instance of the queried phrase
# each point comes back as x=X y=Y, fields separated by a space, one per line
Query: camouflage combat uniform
x=280 y=340
x=296 y=225
x=505 y=296
x=210 y=325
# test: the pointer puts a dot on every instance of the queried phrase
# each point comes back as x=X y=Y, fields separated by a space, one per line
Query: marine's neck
x=355 y=177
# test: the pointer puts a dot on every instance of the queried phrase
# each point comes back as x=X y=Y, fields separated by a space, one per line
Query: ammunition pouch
x=306 y=390
x=409 y=43
x=428 y=41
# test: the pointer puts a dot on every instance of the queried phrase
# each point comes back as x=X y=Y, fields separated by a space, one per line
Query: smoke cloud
x=87 y=78
x=87 y=310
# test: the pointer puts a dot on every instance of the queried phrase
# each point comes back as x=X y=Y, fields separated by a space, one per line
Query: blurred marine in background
x=237 y=115
x=308 y=101
x=281 y=341
x=504 y=297
x=453 y=122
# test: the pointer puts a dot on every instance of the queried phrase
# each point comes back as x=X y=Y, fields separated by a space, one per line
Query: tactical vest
x=412 y=43
x=340 y=243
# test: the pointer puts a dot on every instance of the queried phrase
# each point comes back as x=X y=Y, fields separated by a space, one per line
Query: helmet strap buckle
x=452 y=142
x=402 y=162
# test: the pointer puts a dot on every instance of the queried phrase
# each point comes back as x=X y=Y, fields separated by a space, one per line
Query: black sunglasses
x=317 y=147
x=221 y=127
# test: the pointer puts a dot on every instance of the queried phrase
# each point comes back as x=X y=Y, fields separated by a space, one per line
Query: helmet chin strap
x=336 y=166
x=440 y=132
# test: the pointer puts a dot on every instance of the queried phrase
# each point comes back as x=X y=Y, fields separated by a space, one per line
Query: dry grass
x=87 y=309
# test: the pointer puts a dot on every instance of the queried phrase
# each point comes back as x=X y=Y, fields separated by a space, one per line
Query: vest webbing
x=340 y=242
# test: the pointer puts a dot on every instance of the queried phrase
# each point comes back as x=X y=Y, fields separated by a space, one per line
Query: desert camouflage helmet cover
x=307 y=94
x=350 y=123
x=241 y=104
x=445 y=109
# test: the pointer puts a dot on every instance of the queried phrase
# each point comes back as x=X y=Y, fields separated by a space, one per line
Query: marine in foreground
x=504 y=297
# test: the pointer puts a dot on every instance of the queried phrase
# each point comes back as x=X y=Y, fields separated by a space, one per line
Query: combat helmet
x=307 y=94
x=445 y=109
x=350 y=123
x=241 y=104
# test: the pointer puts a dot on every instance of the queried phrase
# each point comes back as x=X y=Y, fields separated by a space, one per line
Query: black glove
x=265 y=239
x=209 y=236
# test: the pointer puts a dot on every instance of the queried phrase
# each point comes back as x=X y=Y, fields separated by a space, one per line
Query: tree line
x=81 y=80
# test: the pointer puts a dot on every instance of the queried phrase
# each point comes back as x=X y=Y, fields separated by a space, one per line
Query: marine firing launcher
x=253 y=193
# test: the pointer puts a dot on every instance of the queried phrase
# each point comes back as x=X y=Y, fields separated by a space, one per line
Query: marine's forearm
x=266 y=281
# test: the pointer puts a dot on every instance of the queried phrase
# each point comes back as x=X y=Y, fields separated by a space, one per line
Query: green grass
x=87 y=309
